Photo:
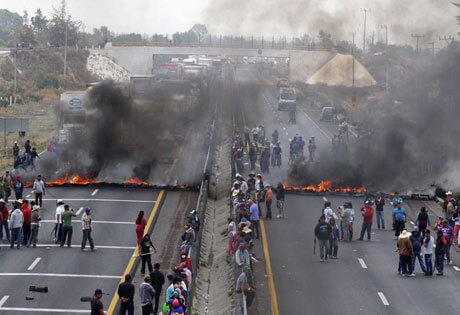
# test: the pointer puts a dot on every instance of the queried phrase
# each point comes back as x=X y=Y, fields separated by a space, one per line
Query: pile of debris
x=105 y=68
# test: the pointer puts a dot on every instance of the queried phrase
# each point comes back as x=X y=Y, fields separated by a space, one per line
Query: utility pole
x=417 y=37
x=386 y=34
x=353 y=63
x=364 y=33
x=15 y=68
x=65 y=49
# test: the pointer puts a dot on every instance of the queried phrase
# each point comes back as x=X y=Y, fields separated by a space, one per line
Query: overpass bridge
x=138 y=58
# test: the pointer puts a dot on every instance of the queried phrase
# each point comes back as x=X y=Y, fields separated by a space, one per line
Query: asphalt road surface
x=70 y=273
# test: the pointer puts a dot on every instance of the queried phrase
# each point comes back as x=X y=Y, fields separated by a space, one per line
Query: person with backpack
x=423 y=220
x=439 y=252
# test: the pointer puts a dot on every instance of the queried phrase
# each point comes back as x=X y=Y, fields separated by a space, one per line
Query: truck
x=287 y=99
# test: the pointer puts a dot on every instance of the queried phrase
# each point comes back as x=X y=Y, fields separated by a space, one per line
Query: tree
x=325 y=39
x=60 y=23
x=39 y=22
x=458 y=16
x=9 y=21
x=23 y=34
x=200 y=30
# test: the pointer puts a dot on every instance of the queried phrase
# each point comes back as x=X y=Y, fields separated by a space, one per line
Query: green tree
x=39 y=24
x=60 y=23
x=24 y=34
x=9 y=21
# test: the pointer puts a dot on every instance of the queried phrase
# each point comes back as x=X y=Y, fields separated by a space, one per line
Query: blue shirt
x=254 y=212
x=399 y=214
x=395 y=201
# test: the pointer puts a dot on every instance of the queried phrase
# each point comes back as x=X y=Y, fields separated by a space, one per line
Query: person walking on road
x=27 y=213
x=280 y=195
x=58 y=226
x=4 y=222
x=67 y=229
x=334 y=240
x=406 y=252
x=368 y=213
x=439 y=252
x=322 y=234
x=447 y=231
x=126 y=292
x=146 y=294
x=428 y=250
x=423 y=220
x=146 y=257
x=141 y=222
x=399 y=218
x=97 y=308
x=254 y=216
x=86 y=222
x=268 y=201
x=16 y=223
x=39 y=189
x=379 y=204
x=158 y=280
x=34 y=226
x=327 y=211
x=417 y=241
x=18 y=187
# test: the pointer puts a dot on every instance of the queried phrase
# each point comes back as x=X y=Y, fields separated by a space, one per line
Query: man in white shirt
x=328 y=212
x=58 y=226
x=427 y=248
x=39 y=189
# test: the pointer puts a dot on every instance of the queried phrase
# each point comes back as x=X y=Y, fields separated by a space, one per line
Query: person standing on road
x=447 y=231
x=439 y=252
x=406 y=252
x=146 y=294
x=422 y=221
x=334 y=240
x=327 y=211
x=158 y=279
x=322 y=234
x=96 y=305
x=39 y=189
x=268 y=201
x=394 y=202
x=417 y=241
x=428 y=250
x=58 y=226
x=399 y=218
x=16 y=150
x=449 y=206
x=126 y=292
x=277 y=155
x=18 y=187
x=86 y=222
x=33 y=156
x=16 y=223
x=252 y=156
x=345 y=222
x=280 y=195
x=379 y=204
x=141 y=222
x=146 y=257
x=27 y=147
x=7 y=184
x=27 y=213
x=4 y=222
x=254 y=216
x=368 y=213
x=456 y=222
x=67 y=229
x=35 y=226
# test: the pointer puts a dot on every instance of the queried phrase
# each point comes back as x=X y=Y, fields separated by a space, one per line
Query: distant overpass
x=138 y=57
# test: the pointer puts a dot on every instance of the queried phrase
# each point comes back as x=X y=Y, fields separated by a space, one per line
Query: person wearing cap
x=399 y=218
x=26 y=228
x=243 y=287
x=447 y=231
x=449 y=206
x=86 y=222
x=67 y=229
x=16 y=224
x=34 y=226
x=4 y=222
x=417 y=241
x=188 y=238
x=97 y=308
x=126 y=292
x=406 y=252
x=439 y=252
x=146 y=294
x=428 y=242
x=158 y=279
x=39 y=189
x=368 y=214
x=58 y=226
x=18 y=187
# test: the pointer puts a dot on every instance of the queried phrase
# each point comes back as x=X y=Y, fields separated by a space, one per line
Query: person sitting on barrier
x=188 y=238
x=243 y=287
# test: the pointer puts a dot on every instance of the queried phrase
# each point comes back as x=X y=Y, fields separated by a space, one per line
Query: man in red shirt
x=27 y=220
x=368 y=213
x=4 y=222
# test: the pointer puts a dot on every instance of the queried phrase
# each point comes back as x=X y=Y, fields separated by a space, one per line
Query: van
x=287 y=99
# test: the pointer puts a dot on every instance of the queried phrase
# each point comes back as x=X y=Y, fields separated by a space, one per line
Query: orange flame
x=136 y=181
x=59 y=182
x=84 y=179
x=325 y=186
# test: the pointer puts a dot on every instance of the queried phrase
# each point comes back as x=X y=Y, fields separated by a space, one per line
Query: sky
x=261 y=17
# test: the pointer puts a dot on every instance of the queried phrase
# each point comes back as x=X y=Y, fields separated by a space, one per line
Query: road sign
x=14 y=124
x=353 y=100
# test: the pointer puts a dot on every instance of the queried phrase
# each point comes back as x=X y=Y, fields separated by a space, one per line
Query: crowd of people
x=25 y=161
x=411 y=246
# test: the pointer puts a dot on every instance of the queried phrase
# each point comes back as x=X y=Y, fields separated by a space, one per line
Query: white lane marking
x=325 y=199
x=412 y=222
x=383 y=298
x=284 y=128
x=96 y=222
x=34 y=264
x=79 y=211
x=28 y=196
x=456 y=268
x=108 y=200
x=94 y=192
x=77 y=247
x=64 y=275
x=362 y=263
x=317 y=126
x=3 y=300
x=43 y=310
x=287 y=134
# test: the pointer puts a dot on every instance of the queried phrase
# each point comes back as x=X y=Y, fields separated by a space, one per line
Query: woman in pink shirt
x=141 y=222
